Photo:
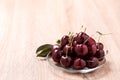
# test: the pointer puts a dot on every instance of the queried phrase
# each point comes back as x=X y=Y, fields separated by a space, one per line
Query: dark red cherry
x=80 y=37
x=100 y=46
x=81 y=50
x=74 y=43
x=92 y=49
x=64 y=40
x=65 y=61
x=79 y=64
x=56 y=46
x=86 y=57
x=56 y=55
x=68 y=49
x=100 y=54
x=90 y=41
x=84 y=36
x=77 y=38
x=92 y=62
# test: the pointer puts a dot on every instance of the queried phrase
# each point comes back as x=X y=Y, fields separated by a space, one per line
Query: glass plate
x=71 y=70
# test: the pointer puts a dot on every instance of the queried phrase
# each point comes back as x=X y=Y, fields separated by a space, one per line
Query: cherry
x=80 y=37
x=56 y=46
x=90 y=41
x=74 y=43
x=92 y=62
x=92 y=49
x=99 y=46
x=68 y=49
x=64 y=40
x=56 y=55
x=84 y=36
x=86 y=57
x=79 y=64
x=77 y=38
x=65 y=61
x=100 y=54
x=81 y=50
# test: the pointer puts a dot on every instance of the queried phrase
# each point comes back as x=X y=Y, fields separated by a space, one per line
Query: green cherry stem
x=107 y=52
x=107 y=34
x=85 y=29
x=70 y=38
x=81 y=28
x=101 y=34
x=99 y=38
x=86 y=40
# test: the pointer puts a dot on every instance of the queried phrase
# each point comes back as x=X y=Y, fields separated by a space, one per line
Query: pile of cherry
x=78 y=51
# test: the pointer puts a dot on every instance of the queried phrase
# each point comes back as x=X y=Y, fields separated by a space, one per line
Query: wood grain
x=27 y=24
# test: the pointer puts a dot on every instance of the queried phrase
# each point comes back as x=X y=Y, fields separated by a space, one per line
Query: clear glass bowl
x=71 y=70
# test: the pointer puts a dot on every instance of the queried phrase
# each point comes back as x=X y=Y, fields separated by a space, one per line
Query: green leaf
x=43 y=50
x=58 y=41
x=43 y=47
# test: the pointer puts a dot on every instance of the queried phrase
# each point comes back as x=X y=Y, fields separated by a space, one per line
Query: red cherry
x=79 y=64
x=65 y=61
x=100 y=54
x=68 y=49
x=92 y=62
x=64 y=40
x=92 y=49
x=56 y=55
x=81 y=50
x=56 y=46
x=84 y=36
x=90 y=41
x=99 y=46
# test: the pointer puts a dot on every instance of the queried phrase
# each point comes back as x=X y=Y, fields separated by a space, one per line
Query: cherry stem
x=70 y=41
x=85 y=29
x=93 y=35
x=101 y=34
x=70 y=38
x=86 y=40
x=89 y=61
x=99 y=37
x=81 y=28
x=101 y=58
x=66 y=52
x=107 y=52
x=107 y=34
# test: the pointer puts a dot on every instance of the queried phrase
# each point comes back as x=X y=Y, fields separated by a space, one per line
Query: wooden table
x=27 y=24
